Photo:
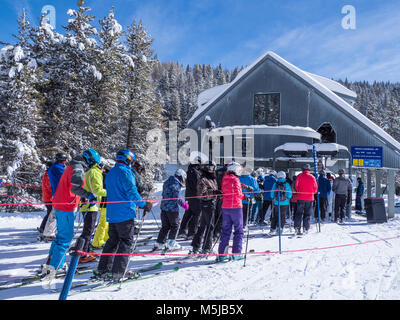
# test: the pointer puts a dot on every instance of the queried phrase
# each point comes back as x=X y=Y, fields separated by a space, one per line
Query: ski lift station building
x=273 y=113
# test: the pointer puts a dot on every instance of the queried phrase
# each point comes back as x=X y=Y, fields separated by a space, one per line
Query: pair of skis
x=81 y=270
x=92 y=285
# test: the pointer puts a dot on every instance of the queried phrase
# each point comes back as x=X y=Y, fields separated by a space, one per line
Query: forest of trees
x=104 y=88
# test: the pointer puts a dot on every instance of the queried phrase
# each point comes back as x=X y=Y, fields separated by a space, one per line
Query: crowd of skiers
x=91 y=187
x=217 y=202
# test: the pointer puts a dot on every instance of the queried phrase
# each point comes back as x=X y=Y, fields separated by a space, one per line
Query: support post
x=378 y=182
x=369 y=184
x=390 y=188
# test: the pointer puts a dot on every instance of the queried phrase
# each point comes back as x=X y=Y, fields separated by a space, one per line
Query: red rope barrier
x=26 y=186
x=151 y=200
x=242 y=253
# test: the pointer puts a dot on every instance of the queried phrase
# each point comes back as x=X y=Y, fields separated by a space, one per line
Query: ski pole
x=248 y=231
x=158 y=226
x=216 y=224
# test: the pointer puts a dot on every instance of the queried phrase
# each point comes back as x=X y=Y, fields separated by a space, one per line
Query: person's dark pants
x=89 y=226
x=120 y=241
x=323 y=207
x=43 y=224
x=275 y=216
x=303 y=213
x=169 y=226
x=358 y=203
x=340 y=206
x=204 y=235
x=190 y=219
x=218 y=219
x=265 y=206
x=246 y=212
x=293 y=208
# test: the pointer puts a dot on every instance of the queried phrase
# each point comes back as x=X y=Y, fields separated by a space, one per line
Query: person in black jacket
x=208 y=189
x=191 y=217
x=220 y=172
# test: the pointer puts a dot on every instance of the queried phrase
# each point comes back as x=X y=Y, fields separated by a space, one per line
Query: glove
x=92 y=198
x=147 y=207
x=185 y=206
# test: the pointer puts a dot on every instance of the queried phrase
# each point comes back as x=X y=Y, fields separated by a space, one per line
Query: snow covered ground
x=355 y=261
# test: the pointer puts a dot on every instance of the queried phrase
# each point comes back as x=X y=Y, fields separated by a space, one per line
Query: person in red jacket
x=306 y=186
x=232 y=214
x=65 y=201
x=46 y=195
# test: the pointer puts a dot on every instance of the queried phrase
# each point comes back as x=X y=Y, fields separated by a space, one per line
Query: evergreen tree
x=111 y=62
x=143 y=112
x=19 y=116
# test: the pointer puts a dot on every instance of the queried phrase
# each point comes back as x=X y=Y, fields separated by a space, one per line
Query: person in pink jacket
x=306 y=186
x=232 y=214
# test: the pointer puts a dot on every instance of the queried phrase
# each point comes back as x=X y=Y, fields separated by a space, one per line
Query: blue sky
x=308 y=34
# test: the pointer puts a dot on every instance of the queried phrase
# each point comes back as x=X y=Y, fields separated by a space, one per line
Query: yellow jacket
x=94 y=184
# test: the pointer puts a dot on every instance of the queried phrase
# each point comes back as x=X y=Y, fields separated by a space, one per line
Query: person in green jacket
x=101 y=234
x=94 y=185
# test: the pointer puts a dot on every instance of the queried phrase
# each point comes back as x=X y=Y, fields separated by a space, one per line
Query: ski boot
x=158 y=246
x=173 y=245
x=237 y=257
x=223 y=259
x=87 y=258
x=100 y=276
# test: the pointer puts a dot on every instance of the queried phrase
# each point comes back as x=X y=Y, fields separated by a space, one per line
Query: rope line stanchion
x=248 y=232
x=76 y=254
x=316 y=178
x=279 y=222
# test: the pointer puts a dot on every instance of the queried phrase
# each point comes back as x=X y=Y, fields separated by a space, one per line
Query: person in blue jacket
x=123 y=198
x=359 y=194
x=281 y=193
x=257 y=208
x=56 y=171
x=269 y=181
x=170 y=211
x=249 y=188
x=324 y=188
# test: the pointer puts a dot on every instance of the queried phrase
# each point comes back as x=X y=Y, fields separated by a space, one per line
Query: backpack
x=280 y=186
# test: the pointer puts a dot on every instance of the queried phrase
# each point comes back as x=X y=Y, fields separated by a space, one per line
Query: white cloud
x=371 y=52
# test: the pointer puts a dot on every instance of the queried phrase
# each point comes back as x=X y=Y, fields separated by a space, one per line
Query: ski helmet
x=234 y=167
x=341 y=172
x=281 y=175
x=181 y=175
x=60 y=157
x=48 y=164
x=306 y=166
x=91 y=157
x=126 y=156
x=272 y=173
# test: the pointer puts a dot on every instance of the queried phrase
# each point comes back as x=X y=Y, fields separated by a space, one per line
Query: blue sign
x=368 y=157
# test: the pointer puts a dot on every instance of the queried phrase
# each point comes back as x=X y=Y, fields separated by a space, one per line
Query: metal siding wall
x=297 y=109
